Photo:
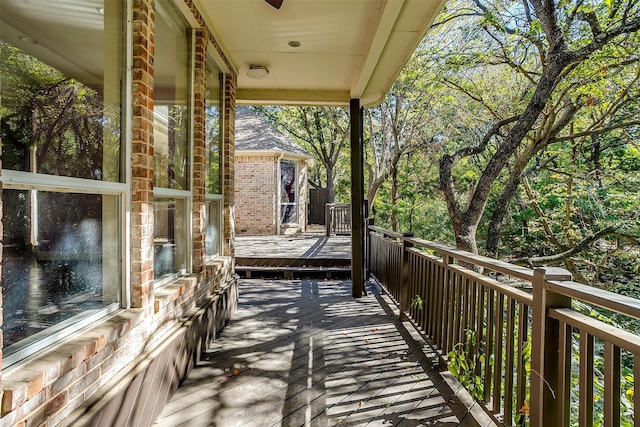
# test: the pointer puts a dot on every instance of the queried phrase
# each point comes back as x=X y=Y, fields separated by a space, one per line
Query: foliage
x=462 y=364
x=324 y=133
x=64 y=127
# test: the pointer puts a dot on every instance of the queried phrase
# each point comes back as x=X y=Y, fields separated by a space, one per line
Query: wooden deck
x=306 y=246
x=306 y=353
x=307 y=255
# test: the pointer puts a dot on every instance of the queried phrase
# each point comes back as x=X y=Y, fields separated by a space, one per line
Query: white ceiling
x=54 y=29
x=349 y=48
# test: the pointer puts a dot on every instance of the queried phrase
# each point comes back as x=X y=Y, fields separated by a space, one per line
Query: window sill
x=173 y=292
x=82 y=358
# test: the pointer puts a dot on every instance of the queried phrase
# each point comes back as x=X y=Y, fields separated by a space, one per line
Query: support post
x=545 y=348
x=405 y=274
x=327 y=218
x=357 y=200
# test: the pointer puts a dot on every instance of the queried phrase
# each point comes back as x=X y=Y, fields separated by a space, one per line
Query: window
x=172 y=142
x=288 y=192
x=62 y=170
x=169 y=236
x=213 y=237
x=213 y=140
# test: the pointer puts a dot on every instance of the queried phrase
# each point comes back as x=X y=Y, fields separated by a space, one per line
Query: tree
x=567 y=37
x=324 y=131
x=395 y=128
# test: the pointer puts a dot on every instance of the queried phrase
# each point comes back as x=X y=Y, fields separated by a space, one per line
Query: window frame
x=121 y=190
x=184 y=195
x=219 y=197
x=295 y=204
x=19 y=180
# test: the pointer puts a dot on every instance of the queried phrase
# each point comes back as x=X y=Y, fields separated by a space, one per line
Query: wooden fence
x=515 y=345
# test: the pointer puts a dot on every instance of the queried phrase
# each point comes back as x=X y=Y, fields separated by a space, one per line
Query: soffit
x=349 y=48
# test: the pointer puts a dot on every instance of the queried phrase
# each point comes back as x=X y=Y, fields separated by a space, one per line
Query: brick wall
x=142 y=153
x=199 y=150
x=229 y=151
x=256 y=191
x=256 y=194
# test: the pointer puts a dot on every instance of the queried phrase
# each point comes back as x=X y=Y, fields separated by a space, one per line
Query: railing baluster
x=508 y=367
x=433 y=298
x=636 y=387
x=454 y=310
x=612 y=385
x=585 y=413
x=521 y=375
x=564 y=374
x=480 y=328
x=422 y=271
x=497 y=361
x=439 y=320
x=469 y=293
x=489 y=345
x=450 y=297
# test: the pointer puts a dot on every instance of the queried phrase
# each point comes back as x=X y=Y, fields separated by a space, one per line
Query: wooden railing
x=338 y=219
x=514 y=343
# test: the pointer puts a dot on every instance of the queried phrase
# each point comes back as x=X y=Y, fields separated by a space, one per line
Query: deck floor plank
x=307 y=245
x=306 y=353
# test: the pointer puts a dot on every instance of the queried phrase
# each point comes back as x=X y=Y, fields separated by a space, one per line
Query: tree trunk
x=499 y=212
x=466 y=236
x=330 y=189
x=477 y=203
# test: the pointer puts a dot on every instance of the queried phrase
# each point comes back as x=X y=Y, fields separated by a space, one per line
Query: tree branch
x=580 y=246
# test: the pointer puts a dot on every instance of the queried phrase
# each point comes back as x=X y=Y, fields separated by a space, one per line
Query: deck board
x=304 y=246
x=306 y=353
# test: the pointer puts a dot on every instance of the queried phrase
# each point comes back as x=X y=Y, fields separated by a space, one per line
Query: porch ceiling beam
x=292 y=97
x=387 y=23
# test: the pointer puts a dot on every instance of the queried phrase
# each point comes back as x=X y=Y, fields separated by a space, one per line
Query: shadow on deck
x=309 y=255
x=307 y=353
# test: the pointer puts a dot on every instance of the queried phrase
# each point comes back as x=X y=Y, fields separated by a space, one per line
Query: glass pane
x=60 y=103
x=213 y=132
x=169 y=237
x=171 y=97
x=287 y=181
x=288 y=213
x=60 y=259
x=213 y=241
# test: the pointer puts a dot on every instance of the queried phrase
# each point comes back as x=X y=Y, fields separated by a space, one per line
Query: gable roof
x=254 y=134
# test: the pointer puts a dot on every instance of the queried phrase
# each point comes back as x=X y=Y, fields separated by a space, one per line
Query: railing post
x=327 y=219
x=369 y=223
x=545 y=348
x=405 y=276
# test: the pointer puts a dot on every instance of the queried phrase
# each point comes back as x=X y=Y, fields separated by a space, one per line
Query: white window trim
x=279 y=195
x=171 y=7
x=218 y=196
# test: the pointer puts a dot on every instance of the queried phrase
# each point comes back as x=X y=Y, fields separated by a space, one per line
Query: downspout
x=278 y=193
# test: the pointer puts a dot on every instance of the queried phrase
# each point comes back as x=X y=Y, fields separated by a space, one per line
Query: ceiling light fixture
x=28 y=40
x=294 y=43
x=257 y=71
